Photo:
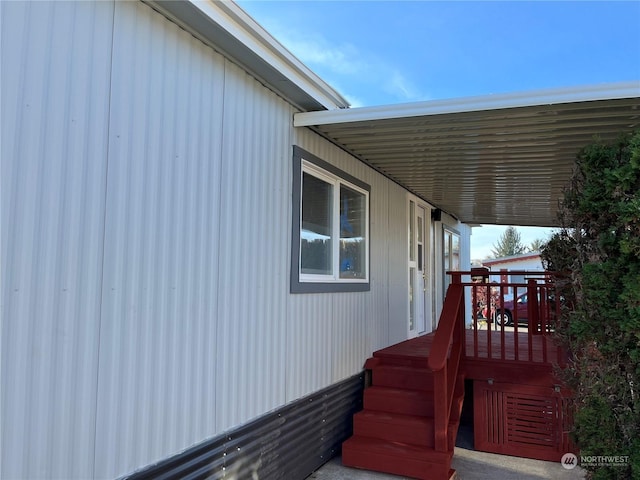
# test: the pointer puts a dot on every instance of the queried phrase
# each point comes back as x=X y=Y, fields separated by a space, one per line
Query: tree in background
x=508 y=244
x=600 y=321
x=537 y=245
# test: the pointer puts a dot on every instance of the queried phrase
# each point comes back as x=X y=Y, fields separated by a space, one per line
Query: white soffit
x=500 y=159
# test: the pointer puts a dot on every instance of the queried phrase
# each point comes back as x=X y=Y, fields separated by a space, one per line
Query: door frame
x=419 y=282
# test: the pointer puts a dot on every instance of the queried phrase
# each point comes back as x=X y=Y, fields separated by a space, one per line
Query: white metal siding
x=146 y=223
x=55 y=83
x=357 y=324
x=398 y=264
x=254 y=250
x=158 y=360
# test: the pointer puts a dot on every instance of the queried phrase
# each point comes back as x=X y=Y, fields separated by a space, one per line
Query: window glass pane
x=447 y=259
x=353 y=231
x=316 y=231
x=447 y=251
x=412 y=214
x=455 y=252
x=412 y=303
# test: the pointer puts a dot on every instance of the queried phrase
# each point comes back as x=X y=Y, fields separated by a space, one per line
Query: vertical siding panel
x=350 y=342
x=378 y=314
x=398 y=265
x=360 y=322
x=157 y=383
x=55 y=80
x=253 y=269
x=309 y=344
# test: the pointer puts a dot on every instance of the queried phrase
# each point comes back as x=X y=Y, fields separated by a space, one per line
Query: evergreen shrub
x=599 y=245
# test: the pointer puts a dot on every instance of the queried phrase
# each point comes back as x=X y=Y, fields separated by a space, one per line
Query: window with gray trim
x=330 y=228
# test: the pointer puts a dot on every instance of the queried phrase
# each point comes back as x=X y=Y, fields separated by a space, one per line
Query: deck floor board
x=418 y=348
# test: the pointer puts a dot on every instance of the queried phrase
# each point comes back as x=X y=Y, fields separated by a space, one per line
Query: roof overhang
x=497 y=159
x=228 y=29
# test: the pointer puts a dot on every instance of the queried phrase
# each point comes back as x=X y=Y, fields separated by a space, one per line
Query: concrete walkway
x=469 y=465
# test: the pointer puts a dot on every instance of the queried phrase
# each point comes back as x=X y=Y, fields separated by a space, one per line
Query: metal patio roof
x=497 y=159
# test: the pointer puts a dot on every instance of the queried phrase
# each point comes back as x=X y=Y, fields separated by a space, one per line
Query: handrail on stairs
x=444 y=359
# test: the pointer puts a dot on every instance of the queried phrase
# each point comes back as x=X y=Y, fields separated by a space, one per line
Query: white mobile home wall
x=146 y=218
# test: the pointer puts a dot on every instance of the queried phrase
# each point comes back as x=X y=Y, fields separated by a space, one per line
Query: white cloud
x=403 y=88
x=346 y=64
x=354 y=101
x=314 y=50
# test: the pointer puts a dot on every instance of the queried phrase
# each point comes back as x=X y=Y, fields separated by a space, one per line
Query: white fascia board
x=610 y=91
x=248 y=42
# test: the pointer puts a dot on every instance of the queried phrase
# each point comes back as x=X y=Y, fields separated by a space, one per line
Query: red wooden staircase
x=412 y=409
x=395 y=433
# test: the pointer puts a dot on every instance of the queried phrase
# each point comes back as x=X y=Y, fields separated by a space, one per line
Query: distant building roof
x=513 y=258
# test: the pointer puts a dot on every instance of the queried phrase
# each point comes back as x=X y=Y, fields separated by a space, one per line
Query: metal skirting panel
x=289 y=443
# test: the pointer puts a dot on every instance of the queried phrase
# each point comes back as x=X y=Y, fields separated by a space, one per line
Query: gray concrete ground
x=469 y=465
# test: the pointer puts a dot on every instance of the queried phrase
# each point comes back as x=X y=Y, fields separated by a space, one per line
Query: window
x=451 y=251
x=330 y=230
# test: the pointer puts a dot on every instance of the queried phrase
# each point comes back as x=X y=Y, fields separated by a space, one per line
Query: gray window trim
x=319 y=287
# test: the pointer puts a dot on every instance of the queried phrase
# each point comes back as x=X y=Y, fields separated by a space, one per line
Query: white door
x=419 y=304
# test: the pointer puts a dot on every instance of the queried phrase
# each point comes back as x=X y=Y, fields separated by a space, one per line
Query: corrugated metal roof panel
x=501 y=159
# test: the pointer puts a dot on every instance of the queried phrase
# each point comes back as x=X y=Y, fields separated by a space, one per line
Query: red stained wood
x=416 y=351
x=522 y=420
x=412 y=410
x=520 y=414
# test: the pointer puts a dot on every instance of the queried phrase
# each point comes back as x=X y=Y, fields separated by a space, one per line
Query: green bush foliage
x=600 y=326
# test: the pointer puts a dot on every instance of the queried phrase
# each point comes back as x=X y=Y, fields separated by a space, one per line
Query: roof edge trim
x=608 y=91
x=226 y=27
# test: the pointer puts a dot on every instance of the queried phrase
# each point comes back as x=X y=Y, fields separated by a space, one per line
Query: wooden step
x=396 y=458
x=394 y=427
x=394 y=400
x=403 y=377
x=410 y=429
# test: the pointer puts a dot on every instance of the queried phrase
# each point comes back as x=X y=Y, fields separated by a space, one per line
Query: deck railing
x=500 y=335
x=444 y=360
x=511 y=319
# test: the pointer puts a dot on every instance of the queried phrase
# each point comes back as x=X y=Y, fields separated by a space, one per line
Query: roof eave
x=230 y=30
x=557 y=96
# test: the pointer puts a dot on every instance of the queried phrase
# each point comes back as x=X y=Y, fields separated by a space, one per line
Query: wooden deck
x=536 y=355
x=509 y=369
x=489 y=345
x=417 y=388
x=518 y=408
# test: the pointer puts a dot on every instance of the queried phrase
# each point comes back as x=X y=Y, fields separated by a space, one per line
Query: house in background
x=202 y=244
x=526 y=262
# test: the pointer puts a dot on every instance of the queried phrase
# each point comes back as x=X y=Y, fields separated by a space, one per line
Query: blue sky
x=388 y=52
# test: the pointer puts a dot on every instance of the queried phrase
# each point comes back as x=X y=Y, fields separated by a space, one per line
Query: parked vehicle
x=511 y=309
